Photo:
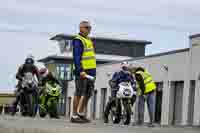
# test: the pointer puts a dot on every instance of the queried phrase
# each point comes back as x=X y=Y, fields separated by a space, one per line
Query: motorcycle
x=121 y=109
x=28 y=95
x=49 y=99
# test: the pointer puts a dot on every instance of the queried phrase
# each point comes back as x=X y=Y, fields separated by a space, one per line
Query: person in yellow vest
x=85 y=72
x=146 y=89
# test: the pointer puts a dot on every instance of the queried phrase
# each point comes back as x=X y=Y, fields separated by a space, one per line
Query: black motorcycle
x=28 y=95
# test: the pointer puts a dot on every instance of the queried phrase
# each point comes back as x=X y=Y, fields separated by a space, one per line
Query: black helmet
x=140 y=69
x=29 y=60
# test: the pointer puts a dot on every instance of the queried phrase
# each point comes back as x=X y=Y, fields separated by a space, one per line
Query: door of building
x=178 y=101
x=158 y=108
x=103 y=101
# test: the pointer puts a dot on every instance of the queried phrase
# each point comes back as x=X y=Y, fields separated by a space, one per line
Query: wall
x=6 y=98
x=176 y=64
x=195 y=64
x=195 y=74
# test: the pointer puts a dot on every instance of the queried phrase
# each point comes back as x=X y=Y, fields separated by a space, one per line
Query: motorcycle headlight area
x=30 y=81
x=127 y=92
x=53 y=91
x=48 y=90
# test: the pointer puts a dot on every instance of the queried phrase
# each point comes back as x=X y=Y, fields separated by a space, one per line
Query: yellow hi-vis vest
x=148 y=81
x=88 y=60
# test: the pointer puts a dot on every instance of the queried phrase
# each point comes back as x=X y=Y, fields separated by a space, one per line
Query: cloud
x=167 y=13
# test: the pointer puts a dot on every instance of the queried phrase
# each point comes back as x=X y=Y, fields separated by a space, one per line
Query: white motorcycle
x=122 y=108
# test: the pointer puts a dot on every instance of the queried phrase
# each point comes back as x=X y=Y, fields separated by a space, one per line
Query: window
x=64 y=71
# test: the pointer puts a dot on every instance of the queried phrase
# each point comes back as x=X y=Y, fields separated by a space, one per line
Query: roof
x=65 y=36
x=100 y=57
x=194 y=36
x=150 y=56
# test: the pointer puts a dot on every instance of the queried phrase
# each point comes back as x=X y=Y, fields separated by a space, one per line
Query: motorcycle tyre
x=117 y=117
x=42 y=114
x=53 y=111
x=127 y=108
x=31 y=105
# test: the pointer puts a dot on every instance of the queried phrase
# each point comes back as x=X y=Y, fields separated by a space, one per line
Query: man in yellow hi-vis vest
x=147 y=89
x=85 y=72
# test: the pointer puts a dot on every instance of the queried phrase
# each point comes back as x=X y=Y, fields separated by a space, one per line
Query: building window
x=64 y=71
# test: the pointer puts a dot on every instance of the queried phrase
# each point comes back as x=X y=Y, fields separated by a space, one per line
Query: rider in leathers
x=46 y=76
x=122 y=76
x=28 y=66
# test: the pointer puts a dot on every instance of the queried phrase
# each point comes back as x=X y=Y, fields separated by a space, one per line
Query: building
x=107 y=49
x=110 y=46
x=177 y=74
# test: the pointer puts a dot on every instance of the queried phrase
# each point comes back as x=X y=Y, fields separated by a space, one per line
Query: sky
x=26 y=26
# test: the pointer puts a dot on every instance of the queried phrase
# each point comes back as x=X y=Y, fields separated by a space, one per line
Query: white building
x=177 y=74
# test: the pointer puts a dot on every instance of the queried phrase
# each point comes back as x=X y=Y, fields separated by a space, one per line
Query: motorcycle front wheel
x=52 y=108
x=42 y=106
x=31 y=103
x=23 y=105
x=115 y=112
x=127 y=113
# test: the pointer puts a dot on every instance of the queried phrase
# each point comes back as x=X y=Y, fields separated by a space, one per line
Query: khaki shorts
x=84 y=87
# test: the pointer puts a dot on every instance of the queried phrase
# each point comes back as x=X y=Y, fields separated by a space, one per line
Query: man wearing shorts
x=85 y=64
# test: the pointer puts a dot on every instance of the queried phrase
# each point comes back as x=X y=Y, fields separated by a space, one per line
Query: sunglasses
x=87 y=27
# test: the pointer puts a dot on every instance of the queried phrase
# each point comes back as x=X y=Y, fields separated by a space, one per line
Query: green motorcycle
x=49 y=99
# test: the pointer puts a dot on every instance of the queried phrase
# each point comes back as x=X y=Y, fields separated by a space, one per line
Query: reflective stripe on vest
x=88 y=57
x=148 y=81
x=88 y=49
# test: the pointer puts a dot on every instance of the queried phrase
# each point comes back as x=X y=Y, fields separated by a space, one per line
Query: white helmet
x=43 y=70
x=124 y=66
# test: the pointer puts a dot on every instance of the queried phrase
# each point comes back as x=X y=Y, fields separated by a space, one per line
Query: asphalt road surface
x=17 y=124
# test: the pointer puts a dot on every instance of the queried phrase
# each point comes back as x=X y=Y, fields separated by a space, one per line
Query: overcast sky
x=26 y=25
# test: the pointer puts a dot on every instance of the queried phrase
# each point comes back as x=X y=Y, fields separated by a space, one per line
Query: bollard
x=6 y=109
x=69 y=106
x=1 y=109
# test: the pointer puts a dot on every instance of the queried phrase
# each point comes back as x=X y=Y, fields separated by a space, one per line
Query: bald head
x=85 y=28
